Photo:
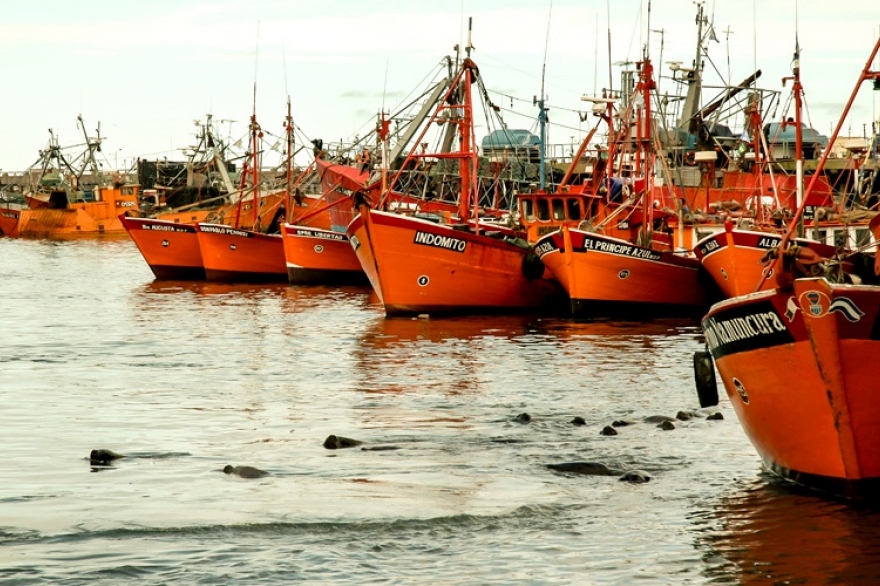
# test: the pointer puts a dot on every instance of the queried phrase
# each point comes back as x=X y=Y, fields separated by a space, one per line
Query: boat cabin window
x=840 y=238
x=820 y=235
x=863 y=237
x=528 y=209
x=543 y=209
x=574 y=209
x=558 y=209
x=128 y=191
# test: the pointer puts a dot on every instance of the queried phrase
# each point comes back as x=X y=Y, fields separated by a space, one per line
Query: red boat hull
x=418 y=266
x=171 y=250
x=232 y=255
x=734 y=259
x=607 y=276
x=315 y=256
x=799 y=369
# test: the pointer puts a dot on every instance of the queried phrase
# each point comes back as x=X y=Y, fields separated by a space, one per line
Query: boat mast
x=465 y=131
x=542 y=113
x=288 y=126
x=256 y=134
x=798 y=90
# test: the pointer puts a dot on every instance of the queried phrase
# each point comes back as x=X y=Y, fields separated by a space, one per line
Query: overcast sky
x=146 y=70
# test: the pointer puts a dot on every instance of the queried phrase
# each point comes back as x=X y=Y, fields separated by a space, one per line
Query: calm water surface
x=185 y=378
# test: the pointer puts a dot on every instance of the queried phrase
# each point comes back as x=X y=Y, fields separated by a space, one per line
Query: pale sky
x=146 y=70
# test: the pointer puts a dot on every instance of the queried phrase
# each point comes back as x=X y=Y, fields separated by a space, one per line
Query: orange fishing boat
x=630 y=267
x=419 y=266
x=232 y=253
x=168 y=239
x=170 y=249
x=61 y=202
x=797 y=362
x=63 y=218
x=316 y=247
x=319 y=256
x=429 y=262
x=798 y=367
x=607 y=276
x=737 y=257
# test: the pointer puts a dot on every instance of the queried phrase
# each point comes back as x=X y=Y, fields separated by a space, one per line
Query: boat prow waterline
x=798 y=367
x=170 y=249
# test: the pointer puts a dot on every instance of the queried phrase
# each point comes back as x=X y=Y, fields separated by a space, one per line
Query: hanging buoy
x=704 y=375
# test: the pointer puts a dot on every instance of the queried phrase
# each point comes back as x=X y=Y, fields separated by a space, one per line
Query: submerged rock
x=608 y=430
x=588 y=468
x=523 y=418
x=578 y=420
x=337 y=442
x=716 y=416
x=245 y=471
x=635 y=477
x=658 y=419
x=103 y=457
x=667 y=426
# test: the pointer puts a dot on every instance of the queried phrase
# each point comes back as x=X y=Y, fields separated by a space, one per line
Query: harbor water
x=448 y=487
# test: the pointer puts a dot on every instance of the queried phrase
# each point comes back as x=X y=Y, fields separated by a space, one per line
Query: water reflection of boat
x=768 y=534
x=210 y=288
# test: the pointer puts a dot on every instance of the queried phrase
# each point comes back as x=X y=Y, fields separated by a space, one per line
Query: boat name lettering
x=10 y=214
x=164 y=228
x=125 y=204
x=709 y=247
x=736 y=329
x=438 y=241
x=620 y=249
x=768 y=242
x=223 y=230
x=355 y=243
x=317 y=234
x=545 y=247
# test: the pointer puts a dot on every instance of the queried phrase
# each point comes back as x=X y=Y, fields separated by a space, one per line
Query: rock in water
x=589 y=468
x=245 y=471
x=103 y=457
x=336 y=442
x=635 y=477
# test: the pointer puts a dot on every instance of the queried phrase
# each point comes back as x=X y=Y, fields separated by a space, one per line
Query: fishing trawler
x=430 y=262
x=316 y=247
x=630 y=267
x=797 y=363
x=70 y=196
